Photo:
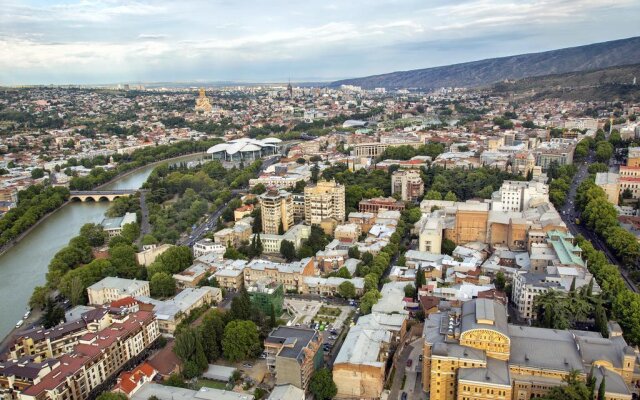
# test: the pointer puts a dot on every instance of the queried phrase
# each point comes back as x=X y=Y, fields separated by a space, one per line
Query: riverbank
x=116 y=178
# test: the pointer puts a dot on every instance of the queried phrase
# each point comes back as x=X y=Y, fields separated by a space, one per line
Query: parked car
x=409 y=363
x=247 y=365
x=403 y=396
x=19 y=323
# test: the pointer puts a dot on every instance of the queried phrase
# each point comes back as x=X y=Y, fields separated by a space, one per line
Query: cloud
x=96 y=40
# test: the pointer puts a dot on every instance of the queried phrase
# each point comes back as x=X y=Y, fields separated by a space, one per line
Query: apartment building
x=96 y=358
x=206 y=246
x=289 y=275
x=112 y=288
x=294 y=354
x=296 y=235
x=325 y=200
x=375 y=204
x=408 y=183
x=277 y=211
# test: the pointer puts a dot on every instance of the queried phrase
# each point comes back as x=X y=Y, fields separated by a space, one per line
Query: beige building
x=294 y=354
x=112 y=288
x=609 y=182
x=325 y=200
x=408 y=184
x=277 y=211
x=289 y=275
x=473 y=353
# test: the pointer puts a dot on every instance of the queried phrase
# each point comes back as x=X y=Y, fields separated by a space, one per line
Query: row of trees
x=138 y=158
x=33 y=203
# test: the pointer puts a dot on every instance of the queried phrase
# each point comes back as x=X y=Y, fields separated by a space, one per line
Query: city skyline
x=110 y=41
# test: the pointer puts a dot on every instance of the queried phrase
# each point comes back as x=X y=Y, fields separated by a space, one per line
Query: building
x=97 y=358
x=296 y=235
x=294 y=354
x=559 y=151
x=633 y=158
x=113 y=226
x=245 y=149
x=206 y=246
x=151 y=252
x=240 y=232
x=267 y=296
x=329 y=286
x=610 y=183
x=289 y=275
x=277 y=211
x=130 y=381
x=202 y=102
x=473 y=353
x=163 y=392
x=325 y=200
x=520 y=195
x=112 y=288
x=230 y=274
x=408 y=183
x=376 y=149
x=286 y=392
x=171 y=312
x=374 y=205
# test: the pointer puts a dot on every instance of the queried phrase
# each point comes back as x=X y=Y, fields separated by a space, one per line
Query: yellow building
x=277 y=211
x=472 y=353
x=325 y=200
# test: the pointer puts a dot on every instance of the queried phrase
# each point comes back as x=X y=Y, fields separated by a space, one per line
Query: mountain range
x=486 y=72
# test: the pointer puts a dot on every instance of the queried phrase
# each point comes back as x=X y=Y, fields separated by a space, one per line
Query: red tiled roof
x=129 y=379
x=124 y=302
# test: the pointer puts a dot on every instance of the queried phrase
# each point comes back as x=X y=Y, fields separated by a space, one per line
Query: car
x=263 y=355
x=247 y=365
x=409 y=363
x=19 y=323
x=27 y=314
x=332 y=337
x=420 y=358
x=403 y=396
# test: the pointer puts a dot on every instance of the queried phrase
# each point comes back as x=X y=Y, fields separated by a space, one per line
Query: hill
x=485 y=72
x=608 y=84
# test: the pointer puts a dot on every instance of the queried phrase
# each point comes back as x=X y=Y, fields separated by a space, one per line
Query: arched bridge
x=99 y=195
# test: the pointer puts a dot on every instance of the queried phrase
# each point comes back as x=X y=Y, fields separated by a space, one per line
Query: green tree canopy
x=241 y=340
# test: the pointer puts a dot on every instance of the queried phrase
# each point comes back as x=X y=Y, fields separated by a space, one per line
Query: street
x=569 y=214
x=413 y=381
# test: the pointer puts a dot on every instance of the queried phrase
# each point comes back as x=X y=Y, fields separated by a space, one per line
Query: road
x=211 y=222
x=569 y=214
x=413 y=382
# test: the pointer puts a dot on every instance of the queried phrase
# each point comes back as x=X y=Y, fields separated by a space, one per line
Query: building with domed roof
x=245 y=149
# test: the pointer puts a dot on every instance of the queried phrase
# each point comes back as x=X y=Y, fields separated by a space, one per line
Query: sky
x=115 y=41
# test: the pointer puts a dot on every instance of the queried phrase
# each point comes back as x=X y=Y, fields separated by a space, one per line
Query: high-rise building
x=408 y=183
x=277 y=211
x=325 y=200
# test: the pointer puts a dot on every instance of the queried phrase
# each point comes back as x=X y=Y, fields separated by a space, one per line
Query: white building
x=113 y=226
x=112 y=288
x=206 y=246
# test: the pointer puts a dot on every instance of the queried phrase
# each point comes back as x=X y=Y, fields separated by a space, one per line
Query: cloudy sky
x=110 y=41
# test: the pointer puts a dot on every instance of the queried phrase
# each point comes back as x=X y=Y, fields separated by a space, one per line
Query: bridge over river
x=100 y=195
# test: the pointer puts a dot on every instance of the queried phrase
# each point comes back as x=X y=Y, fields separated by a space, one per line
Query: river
x=24 y=266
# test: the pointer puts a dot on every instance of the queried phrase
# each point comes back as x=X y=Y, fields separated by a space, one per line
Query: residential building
x=296 y=235
x=289 y=275
x=386 y=203
x=230 y=274
x=286 y=392
x=294 y=354
x=151 y=252
x=113 y=226
x=329 y=286
x=112 y=288
x=171 y=312
x=267 y=296
x=206 y=246
x=520 y=195
x=277 y=211
x=164 y=392
x=376 y=148
x=408 y=183
x=473 y=353
x=129 y=382
x=97 y=357
x=610 y=183
x=325 y=200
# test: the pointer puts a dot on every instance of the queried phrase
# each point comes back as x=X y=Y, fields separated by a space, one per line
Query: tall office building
x=277 y=211
x=325 y=200
x=408 y=183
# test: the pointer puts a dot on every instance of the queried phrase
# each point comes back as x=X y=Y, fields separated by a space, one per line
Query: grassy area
x=332 y=311
x=324 y=320
x=211 y=384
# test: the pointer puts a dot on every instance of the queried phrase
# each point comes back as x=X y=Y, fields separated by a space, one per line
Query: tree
x=111 y=396
x=123 y=258
x=322 y=385
x=175 y=380
x=131 y=231
x=53 y=315
x=604 y=151
x=448 y=246
x=211 y=333
x=420 y=279
x=241 y=306
x=409 y=291
x=354 y=252
x=188 y=347
x=602 y=389
x=37 y=173
x=368 y=300
x=347 y=290
x=162 y=285
x=241 y=340
x=574 y=389
x=343 y=273
x=433 y=195
x=39 y=297
x=450 y=196
x=500 y=281
x=94 y=234
x=288 y=250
